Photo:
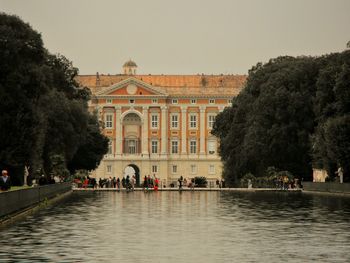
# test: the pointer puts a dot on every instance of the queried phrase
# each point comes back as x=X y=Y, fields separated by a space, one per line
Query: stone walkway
x=194 y=189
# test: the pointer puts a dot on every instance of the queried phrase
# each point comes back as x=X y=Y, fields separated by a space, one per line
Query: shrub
x=246 y=178
x=200 y=181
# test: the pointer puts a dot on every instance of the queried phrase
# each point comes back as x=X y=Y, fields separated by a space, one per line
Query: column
x=184 y=130
x=164 y=129
x=145 y=142
x=118 y=130
x=202 y=130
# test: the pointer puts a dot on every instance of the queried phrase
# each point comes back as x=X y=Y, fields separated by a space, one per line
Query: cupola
x=129 y=67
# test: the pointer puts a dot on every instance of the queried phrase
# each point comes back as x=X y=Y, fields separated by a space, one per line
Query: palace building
x=160 y=124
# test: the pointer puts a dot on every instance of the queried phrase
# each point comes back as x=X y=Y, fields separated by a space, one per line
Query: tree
x=45 y=118
x=89 y=154
x=270 y=120
x=22 y=82
x=337 y=141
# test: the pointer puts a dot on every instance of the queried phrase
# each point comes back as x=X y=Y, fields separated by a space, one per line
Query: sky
x=184 y=36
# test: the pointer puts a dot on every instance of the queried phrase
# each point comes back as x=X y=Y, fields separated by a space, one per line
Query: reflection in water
x=183 y=227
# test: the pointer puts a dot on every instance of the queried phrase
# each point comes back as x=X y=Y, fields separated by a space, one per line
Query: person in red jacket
x=156 y=183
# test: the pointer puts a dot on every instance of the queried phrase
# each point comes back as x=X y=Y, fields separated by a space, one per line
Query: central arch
x=131 y=170
x=132 y=124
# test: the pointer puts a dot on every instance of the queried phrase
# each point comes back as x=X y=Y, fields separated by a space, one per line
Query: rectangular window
x=193 y=146
x=131 y=101
x=193 y=101
x=211 y=121
x=154 y=121
x=193 y=121
x=211 y=169
x=229 y=101
x=174 y=101
x=154 y=101
x=109 y=101
x=109 y=169
x=211 y=101
x=131 y=145
x=154 y=168
x=154 y=148
x=193 y=169
x=175 y=121
x=175 y=147
x=211 y=146
x=174 y=169
x=109 y=121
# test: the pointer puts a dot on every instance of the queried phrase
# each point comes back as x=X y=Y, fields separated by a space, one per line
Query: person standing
x=5 y=181
x=133 y=181
x=118 y=183
x=340 y=174
x=180 y=182
x=156 y=183
x=145 y=183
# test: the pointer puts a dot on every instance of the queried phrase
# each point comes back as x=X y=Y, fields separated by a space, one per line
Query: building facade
x=160 y=124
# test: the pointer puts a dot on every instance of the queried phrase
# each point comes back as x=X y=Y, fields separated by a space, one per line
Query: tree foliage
x=43 y=110
x=282 y=118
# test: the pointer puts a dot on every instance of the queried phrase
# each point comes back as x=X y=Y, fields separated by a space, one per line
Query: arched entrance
x=131 y=170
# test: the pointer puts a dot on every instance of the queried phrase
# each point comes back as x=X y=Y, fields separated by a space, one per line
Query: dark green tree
x=90 y=153
x=44 y=115
x=270 y=121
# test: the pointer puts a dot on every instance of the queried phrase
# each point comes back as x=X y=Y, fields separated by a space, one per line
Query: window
x=154 y=168
x=109 y=169
x=193 y=146
x=131 y=101
x=211 y=101
x=175 y=146
x=154 y=101
x=211 y=169
x=211 y=121
x=174 y=169
x=109 y=101
x=109 y=147
x=109 y=121
x=229 y=101
x=193 y=169
x=193 y=101
x=174 y=121
x=174 y=101
x=132 y=146
x=193 y=121
x=211 y=146
x=154 y=121
x=154 y=148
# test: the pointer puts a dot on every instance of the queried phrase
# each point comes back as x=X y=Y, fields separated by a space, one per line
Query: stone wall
x=15 y=201
x=327 y=187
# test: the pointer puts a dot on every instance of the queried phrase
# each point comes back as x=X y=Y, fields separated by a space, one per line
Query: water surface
x=183 y=227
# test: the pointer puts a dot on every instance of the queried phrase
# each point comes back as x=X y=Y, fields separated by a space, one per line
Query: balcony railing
x=131 y=146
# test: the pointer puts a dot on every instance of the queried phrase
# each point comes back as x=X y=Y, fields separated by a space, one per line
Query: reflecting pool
x=183 y=227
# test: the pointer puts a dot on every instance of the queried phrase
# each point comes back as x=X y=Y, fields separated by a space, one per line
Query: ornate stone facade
x=160 y=124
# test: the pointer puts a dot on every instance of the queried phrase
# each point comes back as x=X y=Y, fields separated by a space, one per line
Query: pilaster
x=118 y=130
x=145 y=136
x=184 y=130
x=202 y=130
x=164 y=130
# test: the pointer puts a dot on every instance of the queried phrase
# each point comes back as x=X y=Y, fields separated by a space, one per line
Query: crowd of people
x=127 y=182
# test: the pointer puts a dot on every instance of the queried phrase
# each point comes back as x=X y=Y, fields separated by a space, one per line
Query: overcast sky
x=184 y=36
